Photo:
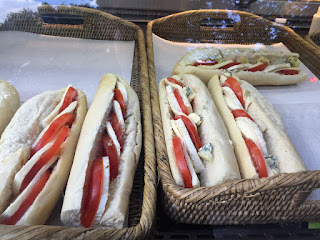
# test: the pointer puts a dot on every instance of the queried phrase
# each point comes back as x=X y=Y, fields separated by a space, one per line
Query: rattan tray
x=314 y=39
x=280 y=198
x=101 y=26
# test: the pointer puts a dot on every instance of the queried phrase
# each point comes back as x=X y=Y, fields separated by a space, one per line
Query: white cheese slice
x=274 y=67
x=231 y=99
x=18 y=179
x=195 y=119
x=194 y=177
x=250 y=129
x=117 y=110
x=197 y=163
x=55 y=111
x=123 y=91
x=174 y=105
x=240 y=66
x=113 y=136
x=183 y=96
x=105 y=191
x=69 y=109
x=216 y=66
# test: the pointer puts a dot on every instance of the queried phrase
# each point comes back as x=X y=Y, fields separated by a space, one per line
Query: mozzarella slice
x=250 y=129
x=69 y=109
x=194 y=177
x=27 y=167
x=55 y=111
x=105 y=191
x=123 y=91
x=216 y=66
x=117 y=109
x=231 y=99
x=274 y=67
x=197 y=163
x=240 y=66
x=113 y=136
x=172 y=100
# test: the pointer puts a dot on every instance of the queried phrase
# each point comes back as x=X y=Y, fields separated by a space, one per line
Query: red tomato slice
x=288 y=72
x=240 y=113
x=205 y=62
x=181 y=162
x=260 y=67
x=51 y=132
x=257 y=158
x=110 y=150
x=71 y=96
x=175 y=81
x=180 y=102
x=230 y=65
x=28 y=201
x=118 y=97
x=116 y=125
x=94 y=194
x=191 y=130
x=235 y=87
x=50 y=153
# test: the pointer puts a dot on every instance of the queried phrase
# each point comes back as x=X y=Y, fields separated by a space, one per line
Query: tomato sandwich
x=262 y=147
x=107 y=154
x=36 y=154
x=199 y=150
x=258 y=67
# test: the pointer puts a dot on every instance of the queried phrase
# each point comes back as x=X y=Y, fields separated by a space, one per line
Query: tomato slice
x=94 y=194
x=116 y=125
x=240 y=113
x=50 y=153
x=257 y=158
x=110 y=150
x=175 y=81
x=191 y=130
x=230 y=65
x=56 y=125
x=204 y=62
x=260 y=67
x=180 y=102
x=71 y=96
x=235 y=87
x=288 y=72
x=118 y=97
x=181 y=162
x=28 y=201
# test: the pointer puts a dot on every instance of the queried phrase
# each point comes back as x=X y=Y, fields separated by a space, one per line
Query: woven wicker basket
x=101 y=26
x=279 y=198
x=314 y=39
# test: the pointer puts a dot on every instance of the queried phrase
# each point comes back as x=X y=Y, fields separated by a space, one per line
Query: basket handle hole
x=216 y=23
x=62 y=19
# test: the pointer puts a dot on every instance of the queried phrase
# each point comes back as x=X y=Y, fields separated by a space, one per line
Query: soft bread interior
x=224 y=166
x=247 y=169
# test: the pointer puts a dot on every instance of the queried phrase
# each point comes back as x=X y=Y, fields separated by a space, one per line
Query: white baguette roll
x=205 y=73
x=16 y=143
x=262 y=112
x=9 y=103
x=87 y=150
x=212 y=130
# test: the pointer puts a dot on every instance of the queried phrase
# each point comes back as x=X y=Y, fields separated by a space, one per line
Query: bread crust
x=41 y=208
x=255 y=78
x=224 y=166
x=85 y=154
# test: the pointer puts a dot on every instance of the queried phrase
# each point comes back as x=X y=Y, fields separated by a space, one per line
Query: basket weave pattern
x=279 y=198
x=101 y=26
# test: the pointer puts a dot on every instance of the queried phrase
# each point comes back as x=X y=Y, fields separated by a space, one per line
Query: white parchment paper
x=35 y=63
x=298 y=105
